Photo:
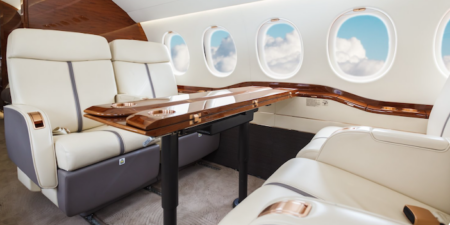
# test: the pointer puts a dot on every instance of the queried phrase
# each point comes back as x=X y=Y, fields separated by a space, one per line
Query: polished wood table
x=207 y=113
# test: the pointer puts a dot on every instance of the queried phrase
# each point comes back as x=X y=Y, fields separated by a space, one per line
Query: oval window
x=220 y=51
x=361 y=45
x=279 y=48
x=443 y=45
x=179 y=52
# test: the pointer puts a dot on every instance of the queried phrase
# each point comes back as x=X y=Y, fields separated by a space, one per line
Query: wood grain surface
x=181 y=116
x=324 y=92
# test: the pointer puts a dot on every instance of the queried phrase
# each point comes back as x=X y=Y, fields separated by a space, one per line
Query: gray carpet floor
x=205 y=197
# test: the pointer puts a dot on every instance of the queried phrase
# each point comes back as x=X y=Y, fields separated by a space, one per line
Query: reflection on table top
x=156 y=117
x=109 y=110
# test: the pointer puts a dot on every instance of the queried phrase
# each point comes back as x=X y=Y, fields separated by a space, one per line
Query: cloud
x=447 y=61
x=224 y=56
x=351 y=57
x=283 y=54
x=180 y=57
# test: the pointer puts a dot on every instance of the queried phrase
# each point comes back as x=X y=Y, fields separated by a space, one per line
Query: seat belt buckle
x=420 y=216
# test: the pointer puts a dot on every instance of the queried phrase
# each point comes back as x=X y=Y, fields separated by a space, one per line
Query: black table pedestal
x=169 y=161
x=243 y=163
x=169 y=181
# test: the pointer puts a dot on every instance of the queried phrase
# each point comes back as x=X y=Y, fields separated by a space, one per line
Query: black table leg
x=169 y=178
x=243 y=163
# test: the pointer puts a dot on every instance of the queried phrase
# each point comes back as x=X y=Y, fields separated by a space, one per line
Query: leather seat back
x=439 y=117
x=143 y=69
x=61 y=73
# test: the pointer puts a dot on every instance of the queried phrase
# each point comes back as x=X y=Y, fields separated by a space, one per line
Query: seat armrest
x=30 y=148
x=416 y=165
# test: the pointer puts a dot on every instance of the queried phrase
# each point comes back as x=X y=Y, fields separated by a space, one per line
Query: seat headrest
x=139 y=51
x=55 y=45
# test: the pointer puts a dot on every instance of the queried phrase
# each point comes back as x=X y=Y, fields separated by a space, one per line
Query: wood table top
x=157 y=117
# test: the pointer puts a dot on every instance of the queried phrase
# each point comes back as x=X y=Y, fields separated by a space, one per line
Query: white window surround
x=207 y=34
x=331 y=42
x=260 y=44
x=167 y=38
x=438 y=44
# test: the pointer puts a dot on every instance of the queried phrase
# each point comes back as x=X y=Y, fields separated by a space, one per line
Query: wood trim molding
x=324 y=92
x=100 y=17
x=24 y=12
x=10 y=19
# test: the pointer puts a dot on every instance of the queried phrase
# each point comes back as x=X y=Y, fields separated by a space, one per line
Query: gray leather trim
x=292 y=189
x=95 y=186
x=18 y=143
x=75 y=96
x=150 y=80
x=122 y=145
x=445 y=125
x=191 y=147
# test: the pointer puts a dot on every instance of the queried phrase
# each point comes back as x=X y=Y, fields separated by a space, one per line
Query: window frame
x=206 y=42
x=438 y=40
x=332 y=37
x=260 y=40
x=167 y=40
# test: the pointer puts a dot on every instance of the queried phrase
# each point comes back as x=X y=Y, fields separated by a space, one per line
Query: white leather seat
x=57 y=75
x=312 y=148
x=142 y=70
x=325 y=182
x=437 y=125
x=75 y=150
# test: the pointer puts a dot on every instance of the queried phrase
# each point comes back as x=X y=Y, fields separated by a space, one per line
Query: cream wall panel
x=268 y=108
x=265 y=119
x=341 y=113
x=198 y=74
x=415 y=20
x=305 y=124
x=413 y=78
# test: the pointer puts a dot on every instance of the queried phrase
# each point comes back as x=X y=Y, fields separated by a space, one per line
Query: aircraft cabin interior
x=229 y=112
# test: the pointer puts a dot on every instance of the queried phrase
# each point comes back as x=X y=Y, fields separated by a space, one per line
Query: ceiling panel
x=133 y=5
x=15 y=3
x=145 y=10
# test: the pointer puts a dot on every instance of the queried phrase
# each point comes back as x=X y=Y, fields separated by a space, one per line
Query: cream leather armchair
x=371 y=169
x=415 y=165
x=437 y=126
x=54 y=76
x=143 y=71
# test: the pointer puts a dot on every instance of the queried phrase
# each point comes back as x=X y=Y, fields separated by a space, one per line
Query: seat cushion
x=78 y=150
x=311 y=150
x=329 y=183
x=322 y=212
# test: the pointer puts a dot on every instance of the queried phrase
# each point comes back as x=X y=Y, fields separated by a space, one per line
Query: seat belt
x=420 y=216
x=60 y=131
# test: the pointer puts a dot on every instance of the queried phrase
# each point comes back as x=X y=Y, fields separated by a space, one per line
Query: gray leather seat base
x=94 y=186
x=193 y=147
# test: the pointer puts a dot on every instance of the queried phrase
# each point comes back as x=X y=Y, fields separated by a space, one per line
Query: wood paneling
x=101 y=17
x=10 y=19
x=324 y=92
